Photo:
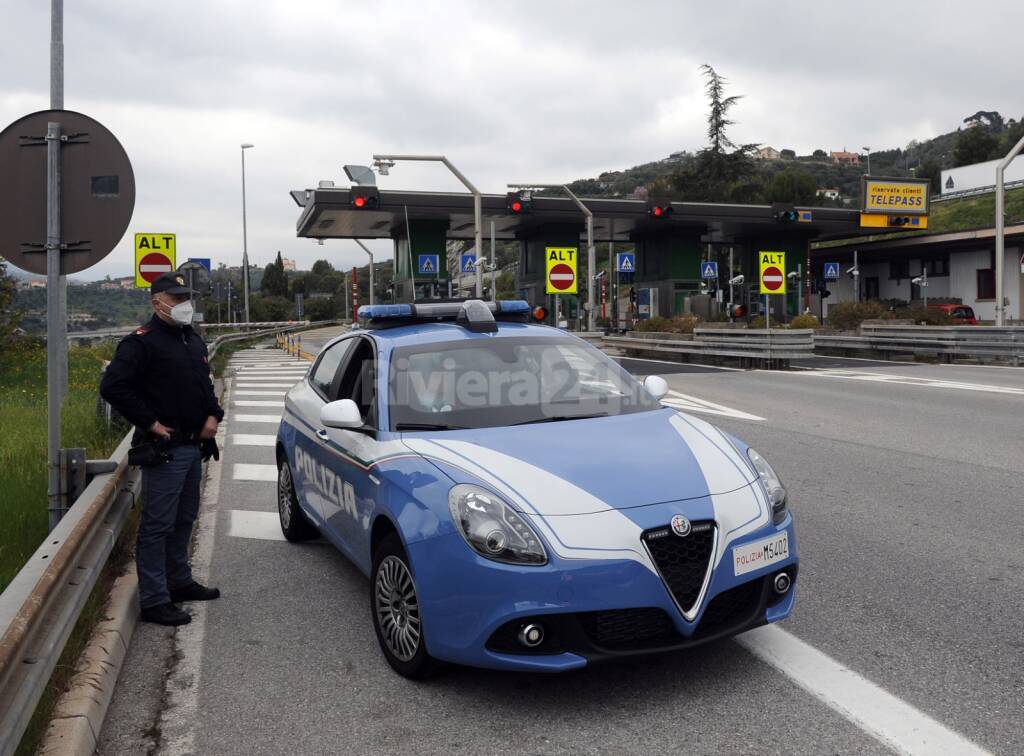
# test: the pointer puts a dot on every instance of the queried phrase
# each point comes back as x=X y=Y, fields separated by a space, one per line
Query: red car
x=961 y=314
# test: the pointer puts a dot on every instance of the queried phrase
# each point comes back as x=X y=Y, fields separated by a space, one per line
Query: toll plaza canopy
x=668 y=249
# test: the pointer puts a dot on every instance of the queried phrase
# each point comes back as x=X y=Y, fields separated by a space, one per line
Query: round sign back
x=97 y=191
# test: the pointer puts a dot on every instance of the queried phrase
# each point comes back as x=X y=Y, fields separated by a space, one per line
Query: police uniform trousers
x=170 y=505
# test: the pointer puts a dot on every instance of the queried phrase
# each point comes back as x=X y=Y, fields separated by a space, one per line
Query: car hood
x=591 y=465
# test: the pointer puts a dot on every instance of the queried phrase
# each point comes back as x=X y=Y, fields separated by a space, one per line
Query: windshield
x=483 y=383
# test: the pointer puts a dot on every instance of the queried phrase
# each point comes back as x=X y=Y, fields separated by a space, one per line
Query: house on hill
x=767 y=153
x=828 y=193
x=842 y=157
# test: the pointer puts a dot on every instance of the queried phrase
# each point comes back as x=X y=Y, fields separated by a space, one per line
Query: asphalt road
x=905 y=482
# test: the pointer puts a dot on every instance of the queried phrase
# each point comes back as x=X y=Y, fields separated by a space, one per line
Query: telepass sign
x=895 y=196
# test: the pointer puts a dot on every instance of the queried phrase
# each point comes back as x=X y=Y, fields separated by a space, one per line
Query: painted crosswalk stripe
x=251 y=392
x=909 y=380
x=260 y=473
x=244 y=418
x=256 y=403
x=264 y=526
x=252 y=439
x=896 y=723
x=263 y=385
x=687 y=403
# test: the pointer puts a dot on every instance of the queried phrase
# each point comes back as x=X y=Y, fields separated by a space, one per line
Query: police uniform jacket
x=162 y=372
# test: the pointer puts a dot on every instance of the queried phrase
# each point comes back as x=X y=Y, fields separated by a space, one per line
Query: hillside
x=109 y=307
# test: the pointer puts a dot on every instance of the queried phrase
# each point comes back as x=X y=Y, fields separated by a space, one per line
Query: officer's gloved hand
x=208 y=448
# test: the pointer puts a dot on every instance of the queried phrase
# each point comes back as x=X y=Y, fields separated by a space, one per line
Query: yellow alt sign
x=773 y=272
x=154 y=256
x=560 y=267
x=895 y=196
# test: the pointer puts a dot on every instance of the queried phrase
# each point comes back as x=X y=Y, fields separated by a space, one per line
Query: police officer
x=160 y=381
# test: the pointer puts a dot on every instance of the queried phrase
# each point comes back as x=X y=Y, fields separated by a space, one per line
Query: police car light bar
x=476 y=315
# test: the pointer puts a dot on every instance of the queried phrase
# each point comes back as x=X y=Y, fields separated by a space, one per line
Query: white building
x=960 y=265
x=979 y=176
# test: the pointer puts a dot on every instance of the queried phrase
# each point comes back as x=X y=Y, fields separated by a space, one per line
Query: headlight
x=492 y=528
x=772 y=485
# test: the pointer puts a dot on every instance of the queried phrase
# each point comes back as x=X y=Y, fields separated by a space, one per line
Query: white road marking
x=910 y=380
x=688 y=403
x=276 y=373
x=895 y=723
x=263 y=385
x=252 y=439
x=243 y=418
x=259 y=473
x=265 y=526
x=251 y=392
x=676 y=362
x=256 y=403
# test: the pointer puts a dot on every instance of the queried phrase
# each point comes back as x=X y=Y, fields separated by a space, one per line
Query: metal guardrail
x=950 y=342
x=109 y=333
x=42 y=604
x=773 y=347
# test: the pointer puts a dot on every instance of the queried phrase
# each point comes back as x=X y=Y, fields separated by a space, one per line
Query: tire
x=294 y=523
x=396 y=616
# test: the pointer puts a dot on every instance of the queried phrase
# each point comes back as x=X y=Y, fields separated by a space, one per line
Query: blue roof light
x=514 y=306
x=379 y=311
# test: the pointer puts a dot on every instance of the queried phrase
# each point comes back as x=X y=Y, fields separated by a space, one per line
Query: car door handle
x=322 y=435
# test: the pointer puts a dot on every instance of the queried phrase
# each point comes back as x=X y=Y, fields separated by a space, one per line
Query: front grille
x=731 y=608
x=627 y=629
x=683 y=561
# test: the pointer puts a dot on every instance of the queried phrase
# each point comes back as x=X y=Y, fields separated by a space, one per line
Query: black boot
x=194 y=592
x=166 y=614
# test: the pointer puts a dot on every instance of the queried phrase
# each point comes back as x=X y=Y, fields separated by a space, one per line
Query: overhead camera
x=736 y=281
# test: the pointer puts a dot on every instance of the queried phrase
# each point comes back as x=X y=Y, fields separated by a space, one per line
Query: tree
x=788 y=154
x=792 y=185
x=990 y=118
x=930 y=170
x=8 y=315
x=322 y=268
x=819 y=154
x=718 y=115
x=975 y=145
x=275 y=282
x=320 y=308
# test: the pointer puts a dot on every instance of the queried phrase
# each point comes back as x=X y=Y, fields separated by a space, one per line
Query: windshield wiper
x=560 y=418
x=427 y=427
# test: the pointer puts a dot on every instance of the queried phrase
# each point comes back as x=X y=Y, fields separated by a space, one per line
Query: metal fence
x=40 y=607
x=1004 y=343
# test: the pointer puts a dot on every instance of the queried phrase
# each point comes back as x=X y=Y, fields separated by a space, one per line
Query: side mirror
x=656 y=386
x=343 y=413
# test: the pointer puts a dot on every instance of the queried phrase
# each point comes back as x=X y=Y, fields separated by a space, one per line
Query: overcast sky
x=535 y=91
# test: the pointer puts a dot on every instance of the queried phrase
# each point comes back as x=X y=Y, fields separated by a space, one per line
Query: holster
x=148 y=454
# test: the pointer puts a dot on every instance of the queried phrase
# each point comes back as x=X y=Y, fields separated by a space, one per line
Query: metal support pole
x=230 y=318
x=367 y=251
x=612 y=277
x=494 y=268
x=57 y=103
x=856 y=278
x=924 y=287
x=1000 y=229
x=799 y=286
x=245 y=241
x=56 y=328
x=732 y=275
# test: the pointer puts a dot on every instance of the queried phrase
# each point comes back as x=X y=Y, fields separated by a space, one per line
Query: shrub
x=678 y=324
x=804 y=321
x=758 y=322
x=847 y=316
x=928 y=316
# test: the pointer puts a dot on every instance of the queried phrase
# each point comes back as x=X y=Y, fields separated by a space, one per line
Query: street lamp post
x=245 y=239
x=367 y=250
x=591 y=253
x=867 y=152
x=384 y=162
x=1000 y=226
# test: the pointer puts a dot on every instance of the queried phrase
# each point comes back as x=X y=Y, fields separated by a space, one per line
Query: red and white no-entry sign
x=772 y=278
x=154 y=265
x=562 y=277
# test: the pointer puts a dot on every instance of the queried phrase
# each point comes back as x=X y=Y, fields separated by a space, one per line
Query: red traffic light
x=516 y=206
x=519 y=202
x=540 y=313
x=659 y=211
x=364 y=197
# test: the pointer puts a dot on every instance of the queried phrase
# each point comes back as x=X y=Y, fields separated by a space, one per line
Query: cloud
x=535 y=91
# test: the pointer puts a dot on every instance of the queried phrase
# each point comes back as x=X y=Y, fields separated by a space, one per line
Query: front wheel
x=294 y=523
x=395 y=608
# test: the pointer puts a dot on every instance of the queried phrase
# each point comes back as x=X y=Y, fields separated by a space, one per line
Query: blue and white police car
x=519 y=501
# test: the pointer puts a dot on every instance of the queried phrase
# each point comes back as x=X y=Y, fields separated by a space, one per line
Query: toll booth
x=668 y=244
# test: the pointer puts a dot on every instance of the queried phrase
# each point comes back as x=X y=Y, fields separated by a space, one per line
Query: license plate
x=754 y=556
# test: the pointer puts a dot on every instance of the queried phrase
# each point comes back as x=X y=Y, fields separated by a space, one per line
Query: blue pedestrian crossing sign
x=832 y=271
x=625 y=262
x=467 y=263
x=709 y=270
x=428 y=265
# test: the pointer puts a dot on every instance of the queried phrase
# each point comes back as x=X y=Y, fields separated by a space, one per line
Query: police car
x=519 y=501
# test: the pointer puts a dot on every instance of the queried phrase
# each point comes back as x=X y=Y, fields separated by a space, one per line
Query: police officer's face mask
x=181 y=313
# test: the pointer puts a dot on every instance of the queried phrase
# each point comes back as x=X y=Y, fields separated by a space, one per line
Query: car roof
x=417 y=334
